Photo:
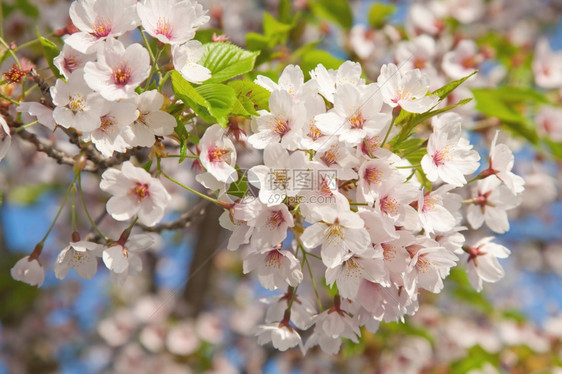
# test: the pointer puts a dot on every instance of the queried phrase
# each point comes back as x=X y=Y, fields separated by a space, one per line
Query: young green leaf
x=226 y=61
x=379 y=14
x=50 y=50
x=258 y=95
x=337 y=11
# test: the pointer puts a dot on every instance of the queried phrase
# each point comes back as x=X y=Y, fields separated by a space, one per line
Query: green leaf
x=187 y=93
x=256 y=42
x=212 y=102
x=379 y=14
x=457 y=282
x=507 y=104
x=337 y=11
x=50 y=51
x=220 y=98
x=258 y=95
x=274 y=28
x=409 y=121
x=226 y=61
x=444 y=91
x=206 y=35
x=240 y=187
x=284 y=11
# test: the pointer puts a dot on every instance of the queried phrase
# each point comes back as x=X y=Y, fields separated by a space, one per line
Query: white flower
x=123 y=259
x=331 y=326
x=549 y=122
x=462 y=61
x=438 y=210
x=373 y=174
x=275 y=268
x=218 y=154
x=270 y=226
x=98 y=20
x=186 y=57
x=118 y=70
x=114 y=127
x=352 y=270
x=482 y=263
x=356 y=114
x=547 y=66
x=151 y=120
x=135 y=192
x=28 y=271
x=291 y=81
x=339 y=232
x=182 y=339
x=276 y=179
x=329 y=80
x=449 y=156
x=406 y=90
x=501 y=163
x=490 y=203
x=77 y=105
x=429 y=264
x=282 y=124
x=302 y=310
x=281 y=335
x=79 y=255
x=44 y=114
x=70 y=60
x=171 y=21
x=466 y=11
x=417 y=53
x=5 y=138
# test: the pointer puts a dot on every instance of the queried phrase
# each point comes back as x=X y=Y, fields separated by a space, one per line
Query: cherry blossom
x=275 y=268
x=29 y=271
x=118 y=70
x=81 y=256
x=99 y=20
x=482 y=262
x=134 y=192
x=186 y=57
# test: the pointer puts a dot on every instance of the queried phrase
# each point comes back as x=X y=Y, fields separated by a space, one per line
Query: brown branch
x=50 y=150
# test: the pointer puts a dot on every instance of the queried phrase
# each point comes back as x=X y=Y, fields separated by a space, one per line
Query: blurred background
x=191 y=310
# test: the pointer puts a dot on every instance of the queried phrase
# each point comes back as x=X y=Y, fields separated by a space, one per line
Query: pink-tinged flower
x=270 y=226
x=426 y=18
x=356 y=114
x=114 y=127
x=5 y=138
x=490 y=202
x=186 y=57
x=276 y=179
x=339 y=232
x=241 y=231
x=417 y=53
x=311 y=136
x=331 y=326
x=462 y=61
x=337 y=156
x=482 y=263
x=367 y=43
x=407 y=90
x=292 y=81
x=429 y=265
x=449 y=156
x=70 y=60
x=547 y=66
x=329 y=80
x=123 y=259
x=396 y=256
x=282 y=124
x=438 y=210
x=549 y=122
x=352 y=270
x=182 y=339
x=135 y=192
x=99 y=20
x=43 y=114
x=77 y=105
x=466 y=11
x=393 y=202
x=302 y=310
x=118 y=70
x=28 y=271
x=218 y=155
x=275 y=268
x=501 y=163
x=372 y=175
x=280 y=334
x=151 y=121
x=81 y=256
x=171 y=21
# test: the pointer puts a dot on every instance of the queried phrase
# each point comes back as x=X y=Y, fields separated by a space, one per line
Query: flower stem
x=59 y=212
x=94 y=226
x=23 y=127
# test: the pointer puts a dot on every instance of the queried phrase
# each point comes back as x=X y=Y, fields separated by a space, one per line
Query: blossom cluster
x=349 y=185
